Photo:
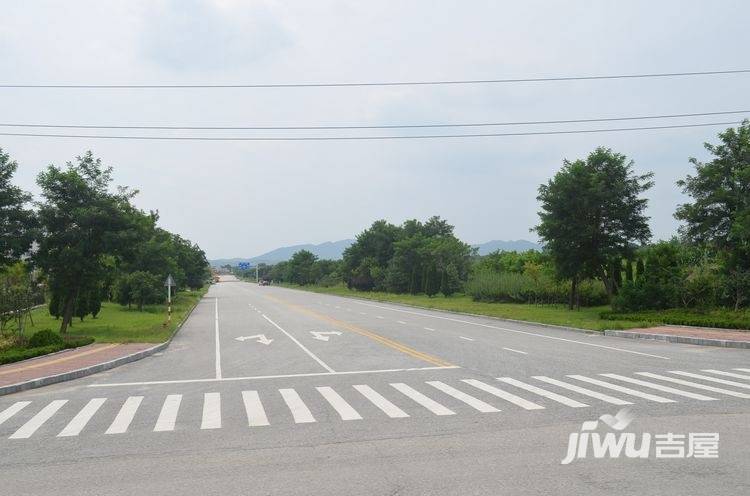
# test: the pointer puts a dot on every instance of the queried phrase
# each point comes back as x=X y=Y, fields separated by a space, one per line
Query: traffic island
x=688 y=335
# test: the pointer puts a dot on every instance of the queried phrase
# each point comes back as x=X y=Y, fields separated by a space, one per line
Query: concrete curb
x=93 y=369
x=440 y=310
x=671 y=338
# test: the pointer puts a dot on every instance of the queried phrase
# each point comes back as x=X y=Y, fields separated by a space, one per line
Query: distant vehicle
x=264 y=282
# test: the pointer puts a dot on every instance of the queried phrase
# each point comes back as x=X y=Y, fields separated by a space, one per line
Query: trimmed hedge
x=512 y=287
x=726 y=319
x=45 y=338
x=16 y=354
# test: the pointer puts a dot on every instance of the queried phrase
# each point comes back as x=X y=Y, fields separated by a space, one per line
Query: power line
x=378 y=83
x=387 y=126
x=365 y=138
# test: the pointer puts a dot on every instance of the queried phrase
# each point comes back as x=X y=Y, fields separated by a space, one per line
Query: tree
x=16 y=221
x=591 y=215
x=365 y=262
x=82 y=222
x=719 y=215
x=301 y=268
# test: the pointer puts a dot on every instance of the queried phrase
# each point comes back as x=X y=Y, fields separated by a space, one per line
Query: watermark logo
x=619 y=444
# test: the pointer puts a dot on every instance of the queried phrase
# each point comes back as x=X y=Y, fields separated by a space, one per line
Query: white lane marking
x=473 y=402
x=429 y=329
x=379 y=401
x=379 y=317
x=362 y=313
x=30 y=427
x=300 y=412
x=324 y=335
x=338 y=307
x=82 y=418
x=743 y=370
x=586 y=392
x=543 y=392
x=659 y=387
x=728 y=374
x=423 y=400
x=279 y=376
x=695 y=385
x=512 y=398
x=344 y=409
x=216 y=338
x=310 y=353
x=711 y=379
x=12 y=410
x=517 y=331
x=211 y=411
x=465 y=338
x=516 y=351
x=401 y=322
x=168 y=415
x=125 y=415
x=256 y=414
x=622 y=389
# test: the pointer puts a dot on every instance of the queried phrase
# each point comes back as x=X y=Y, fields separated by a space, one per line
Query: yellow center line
x=390 y=343
x=59 y=360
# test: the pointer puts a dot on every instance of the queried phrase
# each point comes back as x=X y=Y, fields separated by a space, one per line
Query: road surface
x=268 y=390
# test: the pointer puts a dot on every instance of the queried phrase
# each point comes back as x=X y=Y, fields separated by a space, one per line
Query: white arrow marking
x=261 y=338
x=324 y=336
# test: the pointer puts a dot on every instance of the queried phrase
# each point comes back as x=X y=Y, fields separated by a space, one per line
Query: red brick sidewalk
x=691 y=335
x=66 y=361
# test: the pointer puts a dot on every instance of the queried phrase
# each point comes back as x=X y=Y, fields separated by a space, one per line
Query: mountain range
x=333 y=250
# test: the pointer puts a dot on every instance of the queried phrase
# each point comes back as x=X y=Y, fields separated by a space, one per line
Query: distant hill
x=518 y=245
x=330 y=250
x=333 y=250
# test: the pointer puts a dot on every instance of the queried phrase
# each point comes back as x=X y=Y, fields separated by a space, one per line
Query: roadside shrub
x=77 y=341
x=721 y=318
x=512 y=287
x=45 y=337
x=17 y=354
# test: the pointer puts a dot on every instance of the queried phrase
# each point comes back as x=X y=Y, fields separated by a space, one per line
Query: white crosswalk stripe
x=694 y=385
x=168 y=415
x=125 y=416
x=344 y=409
x=660 y=387
x=461 y=396
x=423 y=400
x=711 y=379
x=82 y=418
x=586 y=392
x=743 y=370
x=379 y=401
x=431 y=396
x=256 y=414
x=543 y=392
x=512 y=398
x=622 y=389
x=728 y=374
x=211 y=418
x=12 y=410
x=30 y=427
x=300 y=412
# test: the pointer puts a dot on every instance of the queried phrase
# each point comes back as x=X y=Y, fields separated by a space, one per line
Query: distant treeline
x=594 y=226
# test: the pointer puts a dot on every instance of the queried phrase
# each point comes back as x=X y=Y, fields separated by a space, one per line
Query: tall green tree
x=591 y=216
x=300 y=268
x=82 y=221
x=719 y=214
x=16 y=221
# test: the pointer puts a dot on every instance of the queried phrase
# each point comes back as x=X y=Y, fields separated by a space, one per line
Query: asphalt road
x=335 y=396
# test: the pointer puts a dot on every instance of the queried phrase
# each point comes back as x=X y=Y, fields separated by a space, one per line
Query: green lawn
x=118 y=324
x=585 y=318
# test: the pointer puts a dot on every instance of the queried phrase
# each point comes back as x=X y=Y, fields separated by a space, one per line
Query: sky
x=240 y=199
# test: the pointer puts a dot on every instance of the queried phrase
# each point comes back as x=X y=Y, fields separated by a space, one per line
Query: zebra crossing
x=396 y=400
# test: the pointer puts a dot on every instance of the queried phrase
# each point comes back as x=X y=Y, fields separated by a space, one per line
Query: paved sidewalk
x=67 y=361
x=690 y=335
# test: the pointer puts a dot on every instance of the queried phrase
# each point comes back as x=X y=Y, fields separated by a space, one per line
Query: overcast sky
x=241 y=199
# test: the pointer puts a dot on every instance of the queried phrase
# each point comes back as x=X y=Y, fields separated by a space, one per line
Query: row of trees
x=593 y=224
x=90 y=242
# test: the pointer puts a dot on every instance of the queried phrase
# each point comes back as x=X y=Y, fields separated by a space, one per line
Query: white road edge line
x=312 y=355
x=516 y=351
x=517 y=331
x=428 y=329
x=465 y=338
x=216 y=338
x=279 y=376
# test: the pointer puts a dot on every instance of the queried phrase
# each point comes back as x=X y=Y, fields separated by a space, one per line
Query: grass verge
x=585 y=318
x=118 y=324
x=720 y=318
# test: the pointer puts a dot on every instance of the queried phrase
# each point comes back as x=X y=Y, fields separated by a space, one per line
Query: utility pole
x=169 y=283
